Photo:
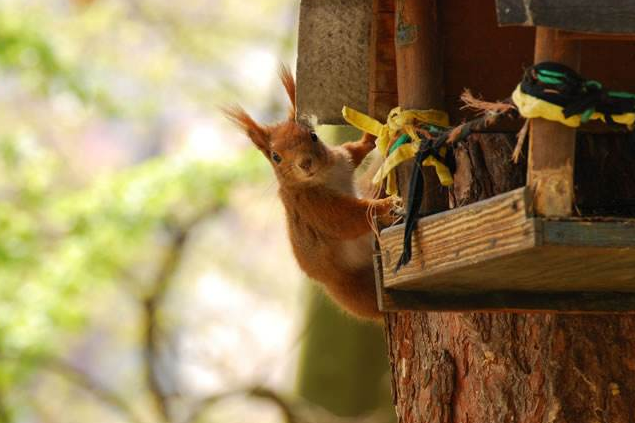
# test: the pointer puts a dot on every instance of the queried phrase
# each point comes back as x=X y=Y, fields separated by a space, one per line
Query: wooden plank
x=573 y=15
x=614 y=233
x=382 y=92
x=465 y=236
x=509 y=301
x=551 y=144
x=420 y=82
x=479 y=55
x=496 y=245
x=384 y=6
x=587 y=36
x=380 y=104
x=391 y=300
x=537 y=269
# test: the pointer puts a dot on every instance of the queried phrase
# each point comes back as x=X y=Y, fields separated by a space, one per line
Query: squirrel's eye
x=276 y=157
x=314 y=137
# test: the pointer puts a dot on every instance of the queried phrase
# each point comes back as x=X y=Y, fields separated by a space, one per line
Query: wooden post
x=551 y=144
x=420 y=82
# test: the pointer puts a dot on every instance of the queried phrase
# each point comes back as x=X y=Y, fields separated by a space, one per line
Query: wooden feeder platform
x=497 y=254
x=523 y=250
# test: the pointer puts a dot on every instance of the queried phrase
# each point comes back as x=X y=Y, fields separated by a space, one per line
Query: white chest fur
x=339 y=176
x=357 y=251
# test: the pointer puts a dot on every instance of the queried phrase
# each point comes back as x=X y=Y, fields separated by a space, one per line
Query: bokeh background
x=145 y=274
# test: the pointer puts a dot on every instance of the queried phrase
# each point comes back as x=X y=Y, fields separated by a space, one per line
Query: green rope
x=560 y=85
x=403 y=139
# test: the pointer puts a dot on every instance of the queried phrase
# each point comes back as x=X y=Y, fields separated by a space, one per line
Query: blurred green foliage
x=68 y=71
x=62 y=240
x=58 y=246
x=27 y=52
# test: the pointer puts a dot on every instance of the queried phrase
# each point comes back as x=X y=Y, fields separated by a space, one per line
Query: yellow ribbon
x=532 y=107
x=405 y=121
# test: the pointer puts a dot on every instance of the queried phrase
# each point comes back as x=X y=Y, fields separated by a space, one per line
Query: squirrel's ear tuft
x=289 y=85
x=258 y=134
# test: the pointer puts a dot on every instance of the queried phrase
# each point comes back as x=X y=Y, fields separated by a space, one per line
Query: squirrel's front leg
x=360 y=149
x=348 y=217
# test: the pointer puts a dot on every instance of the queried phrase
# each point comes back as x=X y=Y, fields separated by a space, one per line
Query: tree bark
x=505 y=367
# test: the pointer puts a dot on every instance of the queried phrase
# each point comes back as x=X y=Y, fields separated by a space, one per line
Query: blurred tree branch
x=296 y=411
x=80 y=379
x=259 y=392
x=178 y=241
x=274 y=397
x=179 y=235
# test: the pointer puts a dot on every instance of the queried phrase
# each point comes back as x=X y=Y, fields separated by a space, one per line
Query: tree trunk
x=505 y=367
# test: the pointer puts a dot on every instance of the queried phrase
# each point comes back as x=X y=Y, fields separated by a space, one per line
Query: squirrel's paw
x=369 y=139
x=397 y=205
x=390 y=211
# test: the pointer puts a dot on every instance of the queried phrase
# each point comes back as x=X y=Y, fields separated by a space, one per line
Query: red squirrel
x=327 y=223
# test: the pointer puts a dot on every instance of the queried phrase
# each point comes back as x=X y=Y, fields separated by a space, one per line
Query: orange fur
x=258 y=134
x=289 y=85
x=327 y=223
x=360 y=149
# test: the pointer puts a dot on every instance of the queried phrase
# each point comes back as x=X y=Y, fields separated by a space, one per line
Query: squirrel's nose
x=306 y=163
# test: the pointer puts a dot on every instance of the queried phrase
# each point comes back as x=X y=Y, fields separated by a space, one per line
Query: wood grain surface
x=575 y=15
x=498 y=245
x=551 y=144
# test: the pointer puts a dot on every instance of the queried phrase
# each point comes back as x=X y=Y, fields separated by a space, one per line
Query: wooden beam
x=551 y=144
x=420 y=82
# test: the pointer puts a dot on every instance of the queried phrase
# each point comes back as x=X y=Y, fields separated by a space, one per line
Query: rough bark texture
x=504 y=367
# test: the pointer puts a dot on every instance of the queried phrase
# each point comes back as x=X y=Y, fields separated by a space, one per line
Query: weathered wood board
x=498 y=245
x=391 y=300
x=333 y=58
x=574 y=15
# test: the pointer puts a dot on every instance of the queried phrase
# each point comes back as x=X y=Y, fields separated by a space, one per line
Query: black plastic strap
x=572 y=92
x=427 y=148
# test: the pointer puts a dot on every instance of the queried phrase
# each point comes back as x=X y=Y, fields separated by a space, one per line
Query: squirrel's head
x=294 y=150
